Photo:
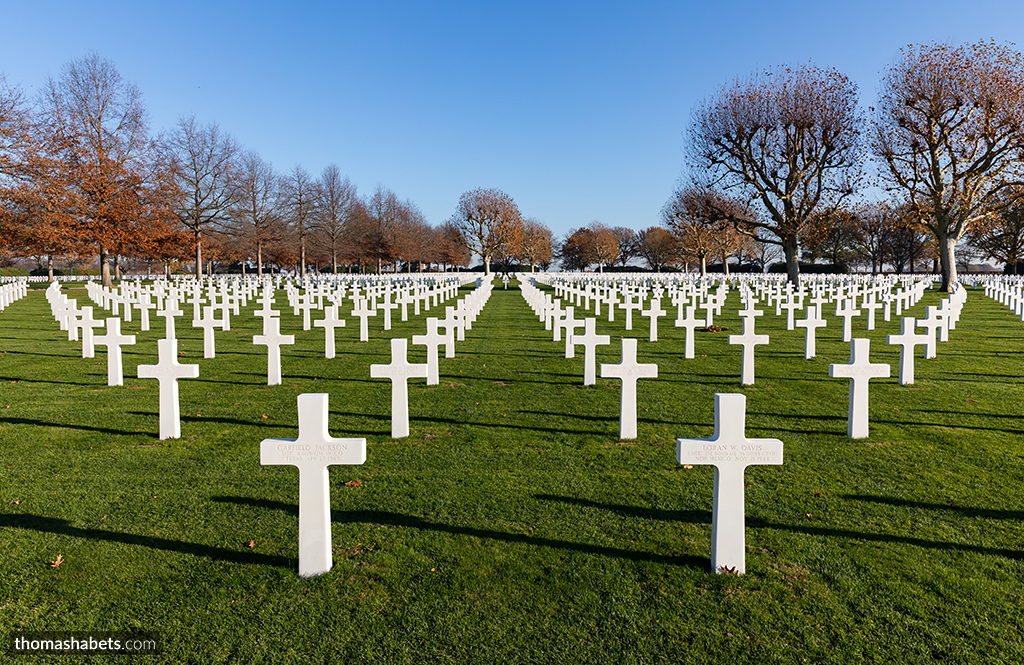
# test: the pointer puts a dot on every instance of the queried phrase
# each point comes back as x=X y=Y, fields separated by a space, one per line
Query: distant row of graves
x=557 y=300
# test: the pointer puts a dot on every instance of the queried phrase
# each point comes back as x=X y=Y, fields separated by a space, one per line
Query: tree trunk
x=703 y=266
x=49 y=267
x=487 y=264
x=947 y=262
x=199 y=255
x=790 y=249
x=105 y=268
x=302 y=259
x=259 y=260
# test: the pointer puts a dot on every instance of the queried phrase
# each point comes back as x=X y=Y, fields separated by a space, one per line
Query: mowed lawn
x=513 y=526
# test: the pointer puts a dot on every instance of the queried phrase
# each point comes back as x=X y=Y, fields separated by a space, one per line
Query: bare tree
x=335 y=199
x=787 y=141
x=298 y=194
x=488 y=219
x=873 y=226
x=452 y=249
x=948 y=127
x=202 y=161
x=629 y=244
x=256 y=215
x=382 y=226
x=707 y=223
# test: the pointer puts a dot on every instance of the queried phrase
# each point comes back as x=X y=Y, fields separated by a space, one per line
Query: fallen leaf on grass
x=728 y=571
x=16 y=503
x=687 y=466
x=264 y=416
x=56 y=562
x=252 y=544
x=970 y=400
x=354 y=483
x=355 y=551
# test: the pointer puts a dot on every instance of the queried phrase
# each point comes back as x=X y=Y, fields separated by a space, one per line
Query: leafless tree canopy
x=785 y=140
x=948 y=129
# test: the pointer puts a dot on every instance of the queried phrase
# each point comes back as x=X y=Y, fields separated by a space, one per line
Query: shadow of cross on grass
x=385 y=518
x=63 y=527
x=754 y=522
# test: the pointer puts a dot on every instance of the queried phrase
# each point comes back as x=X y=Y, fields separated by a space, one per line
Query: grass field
x=512 y=526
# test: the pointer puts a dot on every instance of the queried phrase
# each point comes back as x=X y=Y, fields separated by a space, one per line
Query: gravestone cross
x=431 y=340
x=690 y=323
x=811 y=324
x=113 y=339
x=312 y=452
x=590 y=340
x=208 y=323
x=628 y=370
x=170 y=311
x=749 y=340
x=653 y=311
x=907 y=339
x=364 y=313
x=167 y=371
x=87 y=323
x=570 y=323
x=399 y=371
x=731 y=452
x=273 y=339
x=859 y=370
x=329 y=323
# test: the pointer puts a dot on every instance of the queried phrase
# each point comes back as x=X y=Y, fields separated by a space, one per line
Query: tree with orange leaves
x=102 y=156
x=786 y=141
x=948 y=127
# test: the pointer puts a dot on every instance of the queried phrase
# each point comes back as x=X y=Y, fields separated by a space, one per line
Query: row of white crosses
x=314 y=450
x=167 y=371
x=400 y=370
x=12 y=292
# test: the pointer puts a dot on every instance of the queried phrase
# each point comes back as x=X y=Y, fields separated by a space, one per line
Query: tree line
x=780 y=156
x=82 y=175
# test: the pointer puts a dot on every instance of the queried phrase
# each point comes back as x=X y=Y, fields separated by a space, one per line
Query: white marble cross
x=690 y=323
x=749 y=340
x=629 y=305
x=87 y=323
x=169 y=312
x=932 y=322
x=653 y=311
x=144 y=303
x=208 y=323
x=590 y=340
x=306 y=304
x=431 y=340
x=907 y=339
x=312 y=452
x=570 y=323
x=859 y=370
x=329 y=323
x=273 y=339
x=628 y=370
x=387 y=306
x=364 y=313
x=399 y=371
x=731 y=452
x=811 y=324
x=167 y=371
x=113 y=340
x=846 y=310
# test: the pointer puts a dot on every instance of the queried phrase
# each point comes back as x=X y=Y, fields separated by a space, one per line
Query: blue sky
x=575 y=109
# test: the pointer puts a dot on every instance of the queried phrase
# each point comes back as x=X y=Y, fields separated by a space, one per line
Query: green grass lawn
x=512 y=526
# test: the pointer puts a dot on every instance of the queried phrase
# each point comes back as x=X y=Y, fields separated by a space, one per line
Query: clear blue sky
x=575 y=109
